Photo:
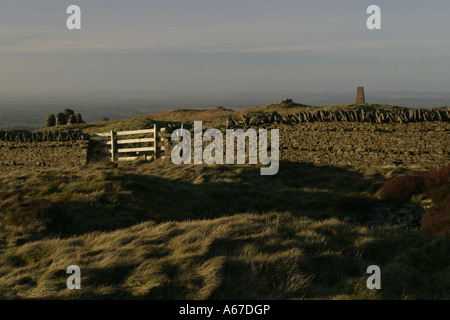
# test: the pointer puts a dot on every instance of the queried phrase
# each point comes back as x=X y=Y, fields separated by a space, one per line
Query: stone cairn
x=359 y=115
x=43 y=136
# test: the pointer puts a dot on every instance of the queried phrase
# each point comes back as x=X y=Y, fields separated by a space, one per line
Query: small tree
x=51 y=120
x=79 y=118
x=68 y=113
x=61 y=119
x=71 y=119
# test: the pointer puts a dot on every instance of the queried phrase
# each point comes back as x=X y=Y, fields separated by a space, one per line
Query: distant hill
x=211 y=117
x=29 y=111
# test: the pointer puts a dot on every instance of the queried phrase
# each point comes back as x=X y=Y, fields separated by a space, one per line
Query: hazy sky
x=223 y=46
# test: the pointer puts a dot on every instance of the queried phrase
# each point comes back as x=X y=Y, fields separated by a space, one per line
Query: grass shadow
x=109 y=197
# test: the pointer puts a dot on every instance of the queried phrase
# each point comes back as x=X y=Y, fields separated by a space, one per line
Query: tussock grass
x=244 y=256
x=101 y=197
x=161 y=231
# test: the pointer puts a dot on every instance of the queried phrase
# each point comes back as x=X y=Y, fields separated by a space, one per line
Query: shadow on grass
x=123 y=197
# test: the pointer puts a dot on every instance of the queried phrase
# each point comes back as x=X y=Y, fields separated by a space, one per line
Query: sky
x=223 y=47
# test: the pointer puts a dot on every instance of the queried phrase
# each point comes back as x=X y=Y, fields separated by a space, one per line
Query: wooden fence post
x=113 y=146
x=155 y=127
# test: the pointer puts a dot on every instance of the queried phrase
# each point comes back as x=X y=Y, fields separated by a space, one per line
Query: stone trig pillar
x=360 y=96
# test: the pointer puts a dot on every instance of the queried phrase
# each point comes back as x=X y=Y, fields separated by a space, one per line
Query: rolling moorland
x=156 y=230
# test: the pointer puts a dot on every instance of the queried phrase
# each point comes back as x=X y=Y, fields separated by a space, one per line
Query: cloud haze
x=212 y=46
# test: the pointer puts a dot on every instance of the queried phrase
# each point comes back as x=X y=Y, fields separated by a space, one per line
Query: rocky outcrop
x=407 y=216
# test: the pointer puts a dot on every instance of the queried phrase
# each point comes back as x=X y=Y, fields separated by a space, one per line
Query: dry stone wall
x=345 y=139
x=356 y=144
x=359 y=138
x=357 y=115
x=23 y=155
x=22 y=149
x=27 y=136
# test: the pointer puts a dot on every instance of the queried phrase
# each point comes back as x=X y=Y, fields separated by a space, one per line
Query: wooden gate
x=147 y=144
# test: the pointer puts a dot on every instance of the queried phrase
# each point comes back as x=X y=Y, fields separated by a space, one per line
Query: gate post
x=113 y=146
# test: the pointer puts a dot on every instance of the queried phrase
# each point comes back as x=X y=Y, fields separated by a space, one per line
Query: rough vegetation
x=435 y=185
x=158 y=231
x=155 y=230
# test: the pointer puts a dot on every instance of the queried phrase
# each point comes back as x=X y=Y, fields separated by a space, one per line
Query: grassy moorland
x=155 y=230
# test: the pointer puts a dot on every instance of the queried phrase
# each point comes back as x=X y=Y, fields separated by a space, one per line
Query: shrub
x=436 y=221
x=79 y=118
x=71 y=119
x=437 y=183
x=51 y=120
x=61 y=119
x=402 y=188
x=68 y=113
